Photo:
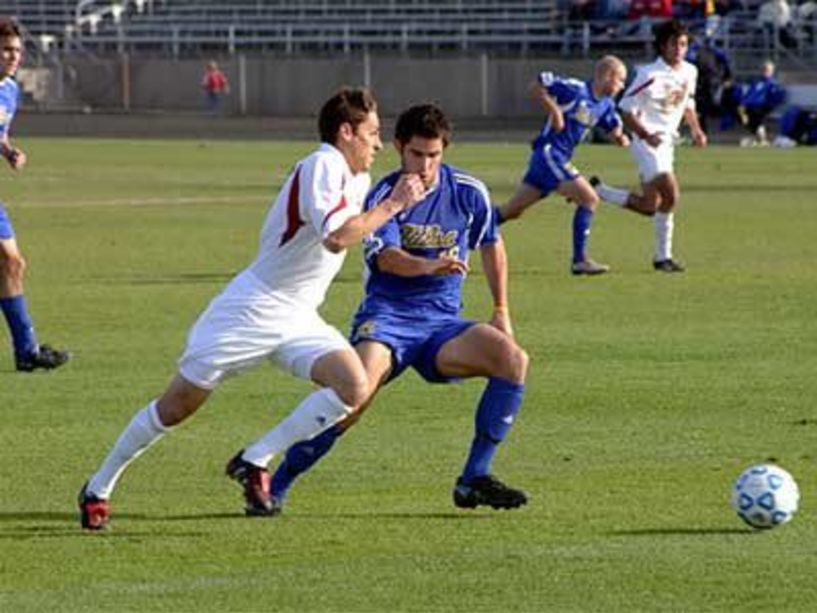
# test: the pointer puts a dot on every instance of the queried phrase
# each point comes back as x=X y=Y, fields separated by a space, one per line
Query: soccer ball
x=765 y=496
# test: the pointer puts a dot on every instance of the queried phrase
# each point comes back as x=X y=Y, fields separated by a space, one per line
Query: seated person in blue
x=760 y=97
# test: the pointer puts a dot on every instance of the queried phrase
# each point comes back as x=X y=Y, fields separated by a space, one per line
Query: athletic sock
x=300 y=458
x=318 y=411
x=144 y=429
x=497 y=408
x=20 y=325
x=612 y=195
x=582 y=220
x=664 y=225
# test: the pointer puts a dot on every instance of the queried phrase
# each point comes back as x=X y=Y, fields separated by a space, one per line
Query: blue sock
x=582 y=219
x=498 y=214
x=497 y=408
x=20 y=325
x=300 y=458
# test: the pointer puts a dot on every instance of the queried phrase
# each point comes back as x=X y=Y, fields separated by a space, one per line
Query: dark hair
x=9 y=27
x=424 y=120
x=349 y=105
x=666 y=30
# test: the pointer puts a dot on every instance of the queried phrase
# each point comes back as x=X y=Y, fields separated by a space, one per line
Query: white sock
x=315 y=414
x=144 y=429
x=663 y=236
x=612 y=195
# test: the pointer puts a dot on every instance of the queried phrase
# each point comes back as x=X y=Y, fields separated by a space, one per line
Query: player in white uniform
x=661 y=94
x=269 y=311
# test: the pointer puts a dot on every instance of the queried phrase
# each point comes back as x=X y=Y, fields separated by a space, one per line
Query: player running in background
x=28 y=354
x=410 y=316
x=268 y=312
x=661 y=94
x=573 y=108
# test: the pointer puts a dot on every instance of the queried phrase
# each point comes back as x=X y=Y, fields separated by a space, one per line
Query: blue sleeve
x=483 y=229
x=561 y=89
x=387 y=235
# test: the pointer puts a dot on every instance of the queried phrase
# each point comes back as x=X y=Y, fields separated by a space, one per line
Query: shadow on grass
x=680 y=532
x=324 y=516
x=61 y=525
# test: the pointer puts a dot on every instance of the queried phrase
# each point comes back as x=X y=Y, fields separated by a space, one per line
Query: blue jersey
x=454 y=217
x=581 y=109
x=9 y=96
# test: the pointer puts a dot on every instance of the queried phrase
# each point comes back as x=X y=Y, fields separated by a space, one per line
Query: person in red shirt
x=215 y=86
x=650 y=8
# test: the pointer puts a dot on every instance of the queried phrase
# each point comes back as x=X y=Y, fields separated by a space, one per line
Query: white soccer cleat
x=589 y=267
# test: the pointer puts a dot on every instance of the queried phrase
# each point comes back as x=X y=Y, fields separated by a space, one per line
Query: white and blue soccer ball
x=765 y=496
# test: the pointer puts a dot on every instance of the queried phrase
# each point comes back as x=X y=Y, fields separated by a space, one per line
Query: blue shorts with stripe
x=415 y=340
x=6 y=231
x=547 y=168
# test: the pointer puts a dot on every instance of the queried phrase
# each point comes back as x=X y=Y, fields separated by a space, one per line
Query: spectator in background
x=714 y=74
x=760 y=97
x=654 y=9
x=775 y=17
x=215 y=86
x=798 y=126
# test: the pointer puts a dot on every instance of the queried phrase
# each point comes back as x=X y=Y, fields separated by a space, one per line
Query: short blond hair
x=610 y=63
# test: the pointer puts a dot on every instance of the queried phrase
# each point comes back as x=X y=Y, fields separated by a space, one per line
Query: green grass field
x=647 y=395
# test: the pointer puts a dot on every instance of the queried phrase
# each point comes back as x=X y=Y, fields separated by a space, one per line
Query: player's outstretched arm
x=698 y=135
x=619 y=137
x=551 y=107
x=653 y=139
x=14 y=156
x=407 y=191
x=495 y=266
x=398 y=262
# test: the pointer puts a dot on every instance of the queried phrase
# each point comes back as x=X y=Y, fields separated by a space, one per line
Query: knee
x=514 y=362
x=354 y=391
x=14 y=268
x=590 y=201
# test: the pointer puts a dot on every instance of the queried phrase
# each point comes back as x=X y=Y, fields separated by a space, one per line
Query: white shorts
x=247 y=324
x=653 y=161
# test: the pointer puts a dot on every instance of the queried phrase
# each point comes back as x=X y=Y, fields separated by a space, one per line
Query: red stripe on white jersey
x=642 y=87
x=294 y=221
x=340 y=206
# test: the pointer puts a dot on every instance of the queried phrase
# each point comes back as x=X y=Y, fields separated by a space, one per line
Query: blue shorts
x=414 y=341
x=547 y=169
x=6 y=231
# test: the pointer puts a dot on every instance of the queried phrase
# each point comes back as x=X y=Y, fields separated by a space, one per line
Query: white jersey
x=317 y=198
x=659 y=95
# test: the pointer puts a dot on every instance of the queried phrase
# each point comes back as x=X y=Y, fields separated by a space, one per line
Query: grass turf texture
x=647 y=395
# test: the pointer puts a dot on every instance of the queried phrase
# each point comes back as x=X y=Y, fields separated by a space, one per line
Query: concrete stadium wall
x=295 y=87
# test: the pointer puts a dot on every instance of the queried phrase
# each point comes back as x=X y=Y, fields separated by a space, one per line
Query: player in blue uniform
x=28 y=354
x=573 y=108
x=410 y=316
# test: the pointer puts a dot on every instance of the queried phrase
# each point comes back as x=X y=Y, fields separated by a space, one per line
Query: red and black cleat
x=256 y=483
x=94 y=512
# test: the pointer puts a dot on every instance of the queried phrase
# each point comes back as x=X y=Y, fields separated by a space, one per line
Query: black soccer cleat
x=487 y=491
x=46 y=357
x=668 y=265
x=256 y=484
x=94 y=512
x=594 y=181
